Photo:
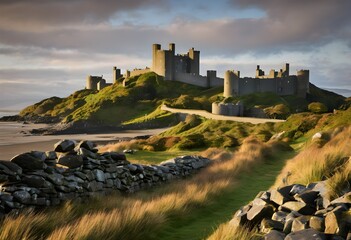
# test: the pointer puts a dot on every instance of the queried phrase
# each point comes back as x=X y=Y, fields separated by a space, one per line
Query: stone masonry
x=77 y=171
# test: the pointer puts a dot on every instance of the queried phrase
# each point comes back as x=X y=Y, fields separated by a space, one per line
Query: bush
x=192 y=141
x=317 y=107
x=278 y=111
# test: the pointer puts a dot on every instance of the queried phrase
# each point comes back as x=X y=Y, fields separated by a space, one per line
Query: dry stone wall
x=78 y=171
x=298 y=212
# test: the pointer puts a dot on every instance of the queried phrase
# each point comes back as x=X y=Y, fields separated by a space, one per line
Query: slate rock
x=268 y=224
x=259 y=212
x=51 y=155
x=335 y=223
x=22 y=196
x=317 y=223
x=297 y=189
x=299 y=207
x=39 y=154
x=88 y=145
x=34 y=181
x=300 y=223
x=279 y=216
x=11 y=166
x=99 y=175
x=71 y=161
x=274 y=235
x=279 y=197
x=28 y=162
x=64 y=145
x=85 y=153
x=306 y=234
x=240 y=216
x=309 y=197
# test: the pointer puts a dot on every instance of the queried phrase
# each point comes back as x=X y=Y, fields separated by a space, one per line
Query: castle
x=186 y=67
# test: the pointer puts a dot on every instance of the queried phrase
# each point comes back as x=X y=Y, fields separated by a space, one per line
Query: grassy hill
x=138 y=103
x=116 y=105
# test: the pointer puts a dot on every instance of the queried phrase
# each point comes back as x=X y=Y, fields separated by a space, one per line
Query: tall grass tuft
x=315 y=163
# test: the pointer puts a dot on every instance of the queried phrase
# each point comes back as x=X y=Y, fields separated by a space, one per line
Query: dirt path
x=208 y=115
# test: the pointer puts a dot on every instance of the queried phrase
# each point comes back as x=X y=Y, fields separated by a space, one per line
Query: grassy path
x=200 y=223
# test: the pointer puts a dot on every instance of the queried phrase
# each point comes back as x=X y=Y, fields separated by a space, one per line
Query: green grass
x=201 y=222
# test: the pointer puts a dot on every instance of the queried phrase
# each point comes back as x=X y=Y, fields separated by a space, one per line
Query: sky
x=47 y=47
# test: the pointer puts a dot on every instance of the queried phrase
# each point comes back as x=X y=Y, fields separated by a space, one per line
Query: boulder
x=300 y=223
x=71 y=161
x=297 y=189
x=39 y=154
x=13 y=167
x=282 y=195
x=88 y=145
x=306 y=234
x=309 y=197
x=258 y=212
x=51 y=155
x=85 y=153
x=28 y=162
x=22 y=196
x=65 y=145
x=240 y=217
x=34 y=181
x=335 y=223
x=317 y=223
x=279 y=216
x=268 y=224
x=99 y=175
x=299 y=207
x=274 y=235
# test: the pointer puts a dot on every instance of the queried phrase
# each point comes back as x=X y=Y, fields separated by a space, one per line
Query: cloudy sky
x=48 y=47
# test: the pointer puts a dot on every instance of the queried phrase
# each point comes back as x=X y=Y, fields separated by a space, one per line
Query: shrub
x=278 y=111
x=317 y=107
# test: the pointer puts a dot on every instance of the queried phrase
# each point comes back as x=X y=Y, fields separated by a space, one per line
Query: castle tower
x=116 y=74
x=155 y=49
x=89 y=83
x=285 y=72
x=172 y=48
x=231 y=81
x=303 y=83
x=194 y=61
x=259 y=72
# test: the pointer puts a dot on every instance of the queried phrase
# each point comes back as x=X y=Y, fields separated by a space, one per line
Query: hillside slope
x=137 y=104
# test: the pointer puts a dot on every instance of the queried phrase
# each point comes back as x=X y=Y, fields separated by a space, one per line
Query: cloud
x=41 y=15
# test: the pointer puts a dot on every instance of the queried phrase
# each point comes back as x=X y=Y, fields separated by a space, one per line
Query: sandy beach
x=15 y=138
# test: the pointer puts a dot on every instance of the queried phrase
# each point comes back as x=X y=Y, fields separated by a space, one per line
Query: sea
x=8 y=112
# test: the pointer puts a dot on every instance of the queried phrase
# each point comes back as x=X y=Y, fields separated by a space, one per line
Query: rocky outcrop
x=297 y=212
x=77 y=171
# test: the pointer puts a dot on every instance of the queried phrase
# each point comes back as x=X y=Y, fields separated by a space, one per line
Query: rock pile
x=297 y=212
x=77 y=171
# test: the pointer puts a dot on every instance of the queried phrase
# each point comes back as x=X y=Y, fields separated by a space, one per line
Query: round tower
x=215 y=108
x=303 y=83
x=89 y=82
x=229 y=77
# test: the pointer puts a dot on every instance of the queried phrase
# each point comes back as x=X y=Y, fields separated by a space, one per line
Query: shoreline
x=15 y=138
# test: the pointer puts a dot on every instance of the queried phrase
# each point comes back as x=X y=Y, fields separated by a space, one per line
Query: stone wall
x=298 y=212
x=78 y=171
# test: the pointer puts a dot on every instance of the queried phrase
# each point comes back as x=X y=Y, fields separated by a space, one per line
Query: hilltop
x=137 y=105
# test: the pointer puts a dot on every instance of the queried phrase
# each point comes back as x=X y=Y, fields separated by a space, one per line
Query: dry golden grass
x=227 y=232
x=317 y=162
x=138 y=216
x=117 y=147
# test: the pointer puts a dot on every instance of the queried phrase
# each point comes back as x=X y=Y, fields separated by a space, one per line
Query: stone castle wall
x=77 y=171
